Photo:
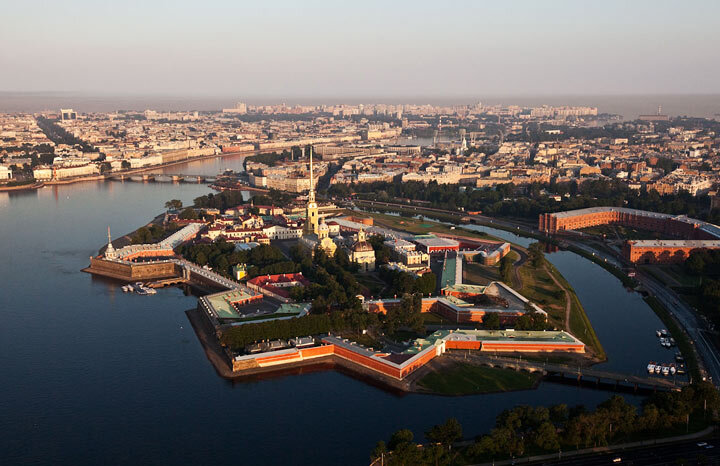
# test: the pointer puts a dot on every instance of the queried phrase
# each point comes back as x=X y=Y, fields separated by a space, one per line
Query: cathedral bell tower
x=311 y=211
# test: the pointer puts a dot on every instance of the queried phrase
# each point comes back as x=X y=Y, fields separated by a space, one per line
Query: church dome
x=323 y=226
x=362 y=246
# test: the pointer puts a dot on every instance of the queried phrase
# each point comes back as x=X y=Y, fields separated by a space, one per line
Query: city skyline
x=367 y=51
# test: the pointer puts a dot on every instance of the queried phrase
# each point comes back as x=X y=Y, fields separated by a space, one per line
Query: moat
x=124 y=369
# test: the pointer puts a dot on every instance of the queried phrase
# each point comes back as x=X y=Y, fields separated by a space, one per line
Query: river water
x=95 y=376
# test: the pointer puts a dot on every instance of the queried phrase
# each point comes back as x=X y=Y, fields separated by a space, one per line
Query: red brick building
x=664 y=251
x=678 y=226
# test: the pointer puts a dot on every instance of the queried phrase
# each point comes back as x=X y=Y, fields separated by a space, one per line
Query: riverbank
x=21 y=187
x=135 y=171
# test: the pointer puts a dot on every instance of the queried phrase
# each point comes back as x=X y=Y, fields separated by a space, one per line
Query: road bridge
x=164 y=178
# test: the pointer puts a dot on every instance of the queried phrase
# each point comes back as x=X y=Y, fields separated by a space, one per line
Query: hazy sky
x=360 y=48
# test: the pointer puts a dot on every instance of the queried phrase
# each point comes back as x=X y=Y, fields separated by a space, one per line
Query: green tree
x=174 y=204
x=446 y=433
x=491 y=320
x=188 y=214
x=546 y=437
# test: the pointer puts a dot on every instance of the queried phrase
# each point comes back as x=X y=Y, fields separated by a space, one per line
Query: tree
x=506 y=270
x=174 y=204
x=188 y=214
x=379 y=451
x=537 y=258
x=426 y=284
x=491 y=320
x=125 y=164
x=446 y=433
x=546 y=436
x=399 y=437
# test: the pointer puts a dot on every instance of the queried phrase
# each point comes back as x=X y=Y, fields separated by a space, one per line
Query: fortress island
x=292 y=287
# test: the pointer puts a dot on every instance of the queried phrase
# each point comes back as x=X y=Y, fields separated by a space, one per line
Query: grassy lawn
x=372 y=283
x=465 y=379
x=432 y=318
x=678 y=273
x=624 y=232
x=539 y=287
x=421 y=226
x=478 y=274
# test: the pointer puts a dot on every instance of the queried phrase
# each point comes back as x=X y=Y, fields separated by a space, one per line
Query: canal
x=95 y=376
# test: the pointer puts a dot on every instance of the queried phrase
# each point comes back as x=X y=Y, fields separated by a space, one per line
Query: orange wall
x=462 y=345
x=532 y=347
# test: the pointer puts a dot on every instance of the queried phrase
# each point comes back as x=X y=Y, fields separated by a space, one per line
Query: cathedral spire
x=311 y=195
x=110 y=250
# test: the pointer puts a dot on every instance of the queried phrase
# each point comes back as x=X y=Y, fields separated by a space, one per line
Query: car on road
x=702 y=444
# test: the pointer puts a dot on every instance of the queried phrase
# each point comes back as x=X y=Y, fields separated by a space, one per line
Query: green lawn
x=478 y=274
x=372 y=283
x=432 y=318
x=418 y=226
x=465 y=379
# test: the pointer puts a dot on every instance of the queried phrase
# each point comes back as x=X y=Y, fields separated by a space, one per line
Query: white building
x=5 y=173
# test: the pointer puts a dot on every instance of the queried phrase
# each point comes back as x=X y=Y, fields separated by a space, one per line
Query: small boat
x=658 y=333
x=664 y=332
x=672 y=341
x=665 y=370
x=658 y=369
x=681 y=369
x=672 y=369
x=651 y=367
x=127 y=288
x=679 y=357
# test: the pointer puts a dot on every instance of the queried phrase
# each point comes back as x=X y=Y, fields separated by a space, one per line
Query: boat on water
x=141 y=289
x=127 y=288
x=663 y=332
x=672 y=369
x=658 y=369
x=658 y=333
x=665 y=370
x=651 y=367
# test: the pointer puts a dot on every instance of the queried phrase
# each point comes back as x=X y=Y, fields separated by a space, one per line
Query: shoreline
x=130 y=172
x=22 y=187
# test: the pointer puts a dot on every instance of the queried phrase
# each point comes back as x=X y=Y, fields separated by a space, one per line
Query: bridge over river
x=164 y=178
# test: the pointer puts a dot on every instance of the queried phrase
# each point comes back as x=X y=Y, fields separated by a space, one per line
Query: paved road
x=655 y=455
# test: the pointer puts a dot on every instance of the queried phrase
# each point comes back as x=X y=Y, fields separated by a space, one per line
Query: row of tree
x=222 y=200
x=400 y=282
x=527 y=430
x=705 y=264
x=221 y=256
x=238 y=337
x=153 y=233
x=532 y=200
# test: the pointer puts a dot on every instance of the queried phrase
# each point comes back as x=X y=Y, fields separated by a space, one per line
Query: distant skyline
x=361 y=50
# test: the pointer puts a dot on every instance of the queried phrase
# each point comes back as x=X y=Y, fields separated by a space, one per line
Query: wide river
x=95 y=376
